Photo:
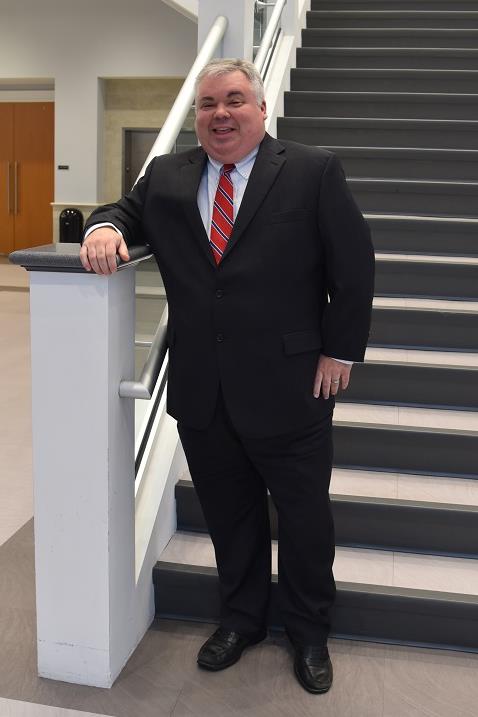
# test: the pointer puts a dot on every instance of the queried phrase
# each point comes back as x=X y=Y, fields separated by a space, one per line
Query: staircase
x=395 y=94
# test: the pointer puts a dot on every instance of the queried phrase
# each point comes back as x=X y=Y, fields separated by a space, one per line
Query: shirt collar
x=244 y=166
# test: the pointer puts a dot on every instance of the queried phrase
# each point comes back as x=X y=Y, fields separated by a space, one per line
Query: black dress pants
x=231 y=474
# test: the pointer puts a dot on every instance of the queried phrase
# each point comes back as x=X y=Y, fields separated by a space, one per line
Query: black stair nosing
x=361 y=611
x=404 y=449
x=372 y=523
x=413 y=384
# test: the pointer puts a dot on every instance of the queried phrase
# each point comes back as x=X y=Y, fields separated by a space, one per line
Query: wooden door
x=33 y=173
x=6 y=178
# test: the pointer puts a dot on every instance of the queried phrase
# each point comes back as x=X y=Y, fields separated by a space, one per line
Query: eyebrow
x=207 y=98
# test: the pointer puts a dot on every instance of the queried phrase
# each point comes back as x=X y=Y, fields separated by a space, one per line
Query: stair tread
x=377 y=95
x=354 y=565
x=401 y=486
x=382 y=72
x=388 y=500
x=427 y=259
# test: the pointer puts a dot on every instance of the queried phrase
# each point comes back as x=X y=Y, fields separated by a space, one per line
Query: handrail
x=175 y=119
x=163 y=145
x=145 y=386
x=269 y=36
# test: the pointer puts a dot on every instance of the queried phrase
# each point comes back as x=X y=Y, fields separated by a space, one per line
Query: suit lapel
x=191 y=173
x=268 y=164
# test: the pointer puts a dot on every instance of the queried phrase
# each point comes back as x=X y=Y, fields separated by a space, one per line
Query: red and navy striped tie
x=222 y=213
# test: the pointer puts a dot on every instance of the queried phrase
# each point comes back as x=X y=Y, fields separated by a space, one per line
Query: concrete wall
x=76 y=43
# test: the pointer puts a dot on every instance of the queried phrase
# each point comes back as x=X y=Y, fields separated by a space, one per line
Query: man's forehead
x=208 y=94
x=230 y=83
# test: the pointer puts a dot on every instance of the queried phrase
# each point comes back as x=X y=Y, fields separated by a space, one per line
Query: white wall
x=75 y=42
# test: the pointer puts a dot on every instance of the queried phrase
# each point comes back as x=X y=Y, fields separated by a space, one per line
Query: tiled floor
x=162 y=679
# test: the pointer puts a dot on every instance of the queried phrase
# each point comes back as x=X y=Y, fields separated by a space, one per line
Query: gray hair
x=223 y=66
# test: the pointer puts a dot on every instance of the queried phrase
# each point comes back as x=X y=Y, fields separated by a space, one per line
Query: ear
x=264 y=109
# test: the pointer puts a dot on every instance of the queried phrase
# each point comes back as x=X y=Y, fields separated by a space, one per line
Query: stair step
x=416 y=196
x=423 y=235
x=424 y=329
x=408 y=417
x=436 y=358
x=383 y=80
x=390 y=37
x=380 y=601
x=391 y=105
x=394 y=5
x=404 y=163
x=418 y=385
x=405 y=449
x=388 y=57
x=384 y=523
x=393 y=18
x=404 y=486
x=423 y=133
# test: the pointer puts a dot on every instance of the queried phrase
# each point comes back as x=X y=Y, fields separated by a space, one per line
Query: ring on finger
x=336 y=381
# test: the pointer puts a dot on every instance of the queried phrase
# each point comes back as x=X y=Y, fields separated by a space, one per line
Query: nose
x=221 y=110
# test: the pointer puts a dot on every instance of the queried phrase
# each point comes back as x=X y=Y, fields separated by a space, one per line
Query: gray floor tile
x=430 y=683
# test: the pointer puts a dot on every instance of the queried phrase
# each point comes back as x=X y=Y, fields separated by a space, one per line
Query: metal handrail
x=144 y=387
x=175 y=119
x=269 y=37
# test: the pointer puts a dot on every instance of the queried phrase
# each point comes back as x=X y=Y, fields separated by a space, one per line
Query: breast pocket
x=291 y=215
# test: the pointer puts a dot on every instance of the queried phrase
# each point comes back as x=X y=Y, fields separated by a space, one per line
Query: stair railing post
x=82 y=341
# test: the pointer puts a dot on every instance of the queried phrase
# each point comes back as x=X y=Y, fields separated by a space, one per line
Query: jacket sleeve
x=127 y=213
x=349 y=267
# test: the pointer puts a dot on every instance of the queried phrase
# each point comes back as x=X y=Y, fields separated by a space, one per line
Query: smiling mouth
x=223 y=130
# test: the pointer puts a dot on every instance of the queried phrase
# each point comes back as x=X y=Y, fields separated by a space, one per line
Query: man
x=268 y=269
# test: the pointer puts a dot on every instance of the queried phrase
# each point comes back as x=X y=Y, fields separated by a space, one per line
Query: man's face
x=229 y=122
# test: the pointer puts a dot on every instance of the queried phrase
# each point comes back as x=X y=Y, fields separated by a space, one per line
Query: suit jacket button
x=220 y=338
x=219 y=294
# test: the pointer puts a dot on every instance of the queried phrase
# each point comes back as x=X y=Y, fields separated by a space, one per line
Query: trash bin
x=71 y=226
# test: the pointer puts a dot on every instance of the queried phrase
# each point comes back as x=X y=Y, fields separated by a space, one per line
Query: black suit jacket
x=296 y=280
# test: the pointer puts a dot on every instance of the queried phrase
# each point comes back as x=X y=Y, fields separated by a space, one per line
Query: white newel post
x=239 y=35
x=82 y=339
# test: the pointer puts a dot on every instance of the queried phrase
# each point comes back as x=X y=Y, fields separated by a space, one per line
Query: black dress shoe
x=224 y=648
x=313 y=668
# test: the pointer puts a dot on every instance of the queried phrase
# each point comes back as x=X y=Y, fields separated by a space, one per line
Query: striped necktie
x=222 y=213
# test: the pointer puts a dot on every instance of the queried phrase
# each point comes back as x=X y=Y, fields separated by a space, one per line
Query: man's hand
x=99 y=250
x=330 y=376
